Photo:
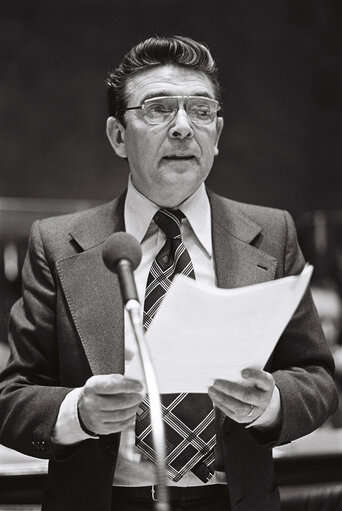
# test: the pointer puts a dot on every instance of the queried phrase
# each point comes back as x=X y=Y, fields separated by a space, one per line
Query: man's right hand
x=108 y=403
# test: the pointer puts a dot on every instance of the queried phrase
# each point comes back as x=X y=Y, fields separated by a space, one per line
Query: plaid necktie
x=189 y=419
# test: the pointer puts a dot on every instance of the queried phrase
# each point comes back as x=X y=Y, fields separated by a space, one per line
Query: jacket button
x=39 y=445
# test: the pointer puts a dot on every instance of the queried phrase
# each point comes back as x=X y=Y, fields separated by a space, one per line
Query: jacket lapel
x=238 y=263
x=93 y=292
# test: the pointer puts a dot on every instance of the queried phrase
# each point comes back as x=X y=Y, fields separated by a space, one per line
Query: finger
x=243 y=393
x=115 y=427
x=229 y=403
x=247 y=413
x=112 y=384
x=261 y=379
x=119 y=415
x=118 y=402
x=94 y=420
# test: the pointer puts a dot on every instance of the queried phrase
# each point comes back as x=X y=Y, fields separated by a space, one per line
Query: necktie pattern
x=189 y=419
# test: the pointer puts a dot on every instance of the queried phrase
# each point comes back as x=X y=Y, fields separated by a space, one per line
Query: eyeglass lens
x=199 y=109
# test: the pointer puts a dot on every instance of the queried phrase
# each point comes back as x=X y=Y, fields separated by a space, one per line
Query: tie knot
x=169 y=221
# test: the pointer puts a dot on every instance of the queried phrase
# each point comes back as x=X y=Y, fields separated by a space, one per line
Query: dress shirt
x=133 y=468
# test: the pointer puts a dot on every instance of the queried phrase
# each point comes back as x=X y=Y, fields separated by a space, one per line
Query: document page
x=201 y=333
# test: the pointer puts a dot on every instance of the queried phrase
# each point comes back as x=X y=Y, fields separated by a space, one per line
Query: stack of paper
x=202 y=333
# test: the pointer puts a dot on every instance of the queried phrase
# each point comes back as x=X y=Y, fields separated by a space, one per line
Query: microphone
x=121 y=254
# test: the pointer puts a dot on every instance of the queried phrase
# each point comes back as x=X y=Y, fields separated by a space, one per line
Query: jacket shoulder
x=62 y=236
x=63 y=224
x=267 y=218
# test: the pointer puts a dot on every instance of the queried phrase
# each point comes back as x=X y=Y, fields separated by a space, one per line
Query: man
x=64 y=395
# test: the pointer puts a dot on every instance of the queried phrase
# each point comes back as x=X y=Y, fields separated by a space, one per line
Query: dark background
x=280 y=67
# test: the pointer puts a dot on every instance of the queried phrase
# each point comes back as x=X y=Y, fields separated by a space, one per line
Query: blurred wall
x=280 y=67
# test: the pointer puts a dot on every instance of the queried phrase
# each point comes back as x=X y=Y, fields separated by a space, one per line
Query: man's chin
x=176 y=185
x=180 y=166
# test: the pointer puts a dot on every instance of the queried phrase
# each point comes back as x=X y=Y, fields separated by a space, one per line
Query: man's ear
x=219 y=128
x=116 y=135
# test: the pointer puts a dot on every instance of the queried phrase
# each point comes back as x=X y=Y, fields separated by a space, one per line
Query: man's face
x=168 y=161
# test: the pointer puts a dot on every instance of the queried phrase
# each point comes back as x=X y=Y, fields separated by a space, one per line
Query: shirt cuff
x=67 y=430
x=271 y=417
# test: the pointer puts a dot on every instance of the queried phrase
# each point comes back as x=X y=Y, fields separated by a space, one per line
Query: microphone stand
x=132 y=306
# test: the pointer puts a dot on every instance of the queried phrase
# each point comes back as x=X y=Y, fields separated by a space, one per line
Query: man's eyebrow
x=161 y=94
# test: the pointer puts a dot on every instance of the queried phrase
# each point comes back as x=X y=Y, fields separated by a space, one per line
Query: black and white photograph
x=171 y=255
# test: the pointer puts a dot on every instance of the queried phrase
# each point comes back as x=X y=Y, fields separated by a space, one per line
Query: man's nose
x=181 y=126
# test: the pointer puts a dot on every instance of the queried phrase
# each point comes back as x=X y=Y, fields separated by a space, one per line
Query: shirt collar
x=139 y=212
x=197 y=210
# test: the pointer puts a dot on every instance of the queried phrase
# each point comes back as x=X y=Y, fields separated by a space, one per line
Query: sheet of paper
x=202 y=333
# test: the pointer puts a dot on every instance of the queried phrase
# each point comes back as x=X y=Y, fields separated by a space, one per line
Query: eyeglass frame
x=185 y=98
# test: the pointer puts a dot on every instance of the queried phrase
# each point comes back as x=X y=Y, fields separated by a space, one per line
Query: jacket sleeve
x=302 y=365
x=30 y=395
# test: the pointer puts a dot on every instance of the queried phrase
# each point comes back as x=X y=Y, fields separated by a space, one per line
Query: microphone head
x=118 y=246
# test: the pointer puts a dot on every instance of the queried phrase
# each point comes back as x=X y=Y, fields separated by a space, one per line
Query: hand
x=108 y=403
x=244 y=402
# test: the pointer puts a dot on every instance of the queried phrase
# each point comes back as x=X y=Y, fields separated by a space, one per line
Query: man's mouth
x=179 y=157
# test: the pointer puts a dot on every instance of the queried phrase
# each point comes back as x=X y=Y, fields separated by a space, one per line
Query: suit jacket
x=68 y=326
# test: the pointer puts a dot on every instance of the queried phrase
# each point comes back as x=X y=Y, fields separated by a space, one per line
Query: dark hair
x=156 y=51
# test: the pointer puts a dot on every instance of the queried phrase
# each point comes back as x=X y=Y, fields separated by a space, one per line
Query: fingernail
x=138 y=386
x=245 y=373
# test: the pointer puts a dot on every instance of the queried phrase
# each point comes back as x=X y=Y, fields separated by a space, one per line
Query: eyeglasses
x=201 y=110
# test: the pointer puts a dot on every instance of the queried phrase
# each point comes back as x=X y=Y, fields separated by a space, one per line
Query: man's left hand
x=244 y=402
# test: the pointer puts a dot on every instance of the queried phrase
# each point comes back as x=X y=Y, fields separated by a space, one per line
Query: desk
x=309 y=472
x=314 y=459
x=22 y=480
